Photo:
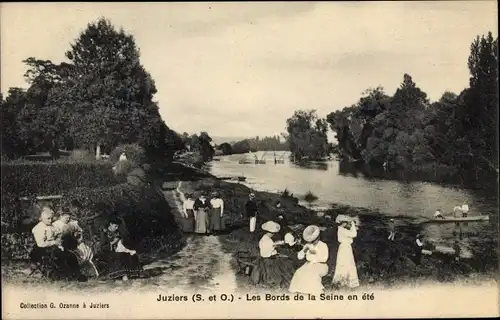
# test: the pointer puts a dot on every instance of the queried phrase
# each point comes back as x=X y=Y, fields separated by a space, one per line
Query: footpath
x=200 y=265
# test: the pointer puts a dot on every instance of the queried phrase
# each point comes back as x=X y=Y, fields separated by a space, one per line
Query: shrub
x=81 y=155
x=134 y=152
x=310 y=197
x=147 y=216
x=45 y=178
x=30 y=179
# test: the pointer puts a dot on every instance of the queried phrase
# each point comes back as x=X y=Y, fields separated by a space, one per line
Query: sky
x=241 y=69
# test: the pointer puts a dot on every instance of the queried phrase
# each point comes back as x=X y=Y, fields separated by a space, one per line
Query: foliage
x=272 y=143
x=102 y=96
x=134 y=153
x=307 y=135
x=407 y=132
x=226 y=148
x=202 y=144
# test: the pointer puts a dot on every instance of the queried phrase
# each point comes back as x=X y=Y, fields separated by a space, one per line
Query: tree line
x=102 y=97
x=406 y=131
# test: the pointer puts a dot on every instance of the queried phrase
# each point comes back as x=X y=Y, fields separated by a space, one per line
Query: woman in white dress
x=307 y=279
x=346 y=273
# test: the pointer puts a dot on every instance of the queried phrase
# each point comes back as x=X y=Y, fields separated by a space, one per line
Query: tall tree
x=307 y=135
x=108 y=96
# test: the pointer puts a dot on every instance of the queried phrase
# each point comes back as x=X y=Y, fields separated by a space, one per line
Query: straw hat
x=271 y=226
x=311 y=233
x=252 y=195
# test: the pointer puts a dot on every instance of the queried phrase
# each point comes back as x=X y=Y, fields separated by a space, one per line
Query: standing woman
x=188 y=224
x=200 y=207
x=307 y=279
x=346 y=273
x=217 y=210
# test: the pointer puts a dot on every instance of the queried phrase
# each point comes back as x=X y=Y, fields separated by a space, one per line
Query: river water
x=327 y=181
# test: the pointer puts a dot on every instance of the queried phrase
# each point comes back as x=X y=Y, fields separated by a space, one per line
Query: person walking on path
x=346 y=273
x=188 y=224
x=217 y=211
x=201 y=206
x=251 y=211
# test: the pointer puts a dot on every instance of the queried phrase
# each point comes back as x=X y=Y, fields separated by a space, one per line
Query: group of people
x=303 y=273
x=203 y=215
x=459 y=211
x=61 y=250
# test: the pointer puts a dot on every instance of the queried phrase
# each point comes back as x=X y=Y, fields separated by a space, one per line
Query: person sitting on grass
x=49 y=246
x=71 y=235
x=271 y=269
x=119 y=261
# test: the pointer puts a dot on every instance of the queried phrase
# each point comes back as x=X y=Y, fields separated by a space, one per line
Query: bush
x=81 y=155
x=46 y=178
x=145 y=213
x=134 y=152
x=29 y=179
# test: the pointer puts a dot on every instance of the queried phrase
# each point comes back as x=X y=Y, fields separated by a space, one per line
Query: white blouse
x=267 y=247
x=465 y=208
x=346 y=235
x=217 y=203
x=45 y=235
x=320 y=254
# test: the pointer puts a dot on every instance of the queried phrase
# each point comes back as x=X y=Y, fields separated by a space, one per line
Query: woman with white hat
x=271 y=269
x=346 y=273
x=307 y=279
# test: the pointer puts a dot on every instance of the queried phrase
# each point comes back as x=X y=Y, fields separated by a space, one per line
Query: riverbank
x=379 y=260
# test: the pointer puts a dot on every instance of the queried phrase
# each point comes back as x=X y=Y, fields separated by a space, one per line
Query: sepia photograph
x=249 y=160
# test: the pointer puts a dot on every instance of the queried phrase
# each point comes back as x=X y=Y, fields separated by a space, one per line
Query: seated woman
x=63 y=263
x=71 y=235
x=308 y=278
x=271 y=269
x=119 y=261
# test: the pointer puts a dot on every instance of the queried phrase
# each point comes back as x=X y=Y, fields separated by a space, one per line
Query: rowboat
x=461 y=219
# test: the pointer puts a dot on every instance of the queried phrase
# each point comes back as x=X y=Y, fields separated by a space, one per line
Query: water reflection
x=324 y=166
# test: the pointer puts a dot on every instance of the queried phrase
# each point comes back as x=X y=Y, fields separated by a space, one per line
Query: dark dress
x=57 y=264
x=216 y=221
x=114 y=264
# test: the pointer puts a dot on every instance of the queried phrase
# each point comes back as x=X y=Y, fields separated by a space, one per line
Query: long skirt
x=346 y=273
x=56 y=263
x=273 y=272
x=307 y=279
x=187 y=224
x=201 y=222
x=216 y=222
x=119 y=264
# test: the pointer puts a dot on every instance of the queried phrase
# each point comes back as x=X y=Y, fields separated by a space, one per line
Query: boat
x=461 y=219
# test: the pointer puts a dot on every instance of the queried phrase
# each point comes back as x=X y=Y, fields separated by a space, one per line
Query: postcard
x=249 y=160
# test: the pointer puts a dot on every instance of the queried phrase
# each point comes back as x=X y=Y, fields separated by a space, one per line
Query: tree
x=226 y=148
x=107 y=95
x=12 y=144
x=307 y=135
x=481 y=100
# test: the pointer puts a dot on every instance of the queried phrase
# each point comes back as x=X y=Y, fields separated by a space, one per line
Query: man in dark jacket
x=251 y=211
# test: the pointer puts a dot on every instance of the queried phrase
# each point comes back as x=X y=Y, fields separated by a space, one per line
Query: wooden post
x=98 y=152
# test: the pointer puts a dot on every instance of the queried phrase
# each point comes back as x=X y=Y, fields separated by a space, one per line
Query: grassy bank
x=379 y=261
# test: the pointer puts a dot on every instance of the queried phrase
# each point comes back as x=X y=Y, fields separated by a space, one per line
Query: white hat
x=271 y=226
x=342 y=218
x=311 y=233
x=289 y=239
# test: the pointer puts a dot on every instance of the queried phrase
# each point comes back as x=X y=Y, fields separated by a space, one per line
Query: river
x=327 y=181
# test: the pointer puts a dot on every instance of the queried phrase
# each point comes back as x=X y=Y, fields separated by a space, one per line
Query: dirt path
x=202 y=264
